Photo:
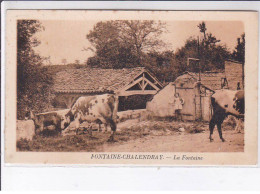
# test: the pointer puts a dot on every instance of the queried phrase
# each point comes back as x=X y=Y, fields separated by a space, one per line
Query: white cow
x=93 y=109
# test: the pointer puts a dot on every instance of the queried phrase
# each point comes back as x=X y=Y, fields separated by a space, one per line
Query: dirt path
x=180 y=142
x=142 y=136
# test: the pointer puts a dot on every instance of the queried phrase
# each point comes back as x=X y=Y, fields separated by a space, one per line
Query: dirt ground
x=190 y=140
x=143 y=136
x=180 y=142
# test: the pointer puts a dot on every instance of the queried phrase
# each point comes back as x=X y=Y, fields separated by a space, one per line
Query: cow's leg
x=102 y=120
x=58 y=127
x=238 y=126
x=90 y=130
x=220 y=131
x=38 y=129
x=212 y=124
x=41 y=127
x=99 y=127
x=105 y=125
x=67 y=129
x=77 y=124
x=99 y=122
x=77 y=131
x=236 y=121
x=113 y=130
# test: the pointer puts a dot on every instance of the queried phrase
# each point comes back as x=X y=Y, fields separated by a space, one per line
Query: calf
x=44 y=120
x=98 y=109
x=224 y=103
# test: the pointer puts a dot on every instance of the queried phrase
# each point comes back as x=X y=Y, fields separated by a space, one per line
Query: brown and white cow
x=224 y=103
x=53 y=118
x=93 y=109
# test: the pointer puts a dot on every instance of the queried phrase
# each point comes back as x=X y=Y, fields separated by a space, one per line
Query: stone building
x=234 y=73
x=196 y=90
x=130 y=84
x=229 y=78
x=195 y=95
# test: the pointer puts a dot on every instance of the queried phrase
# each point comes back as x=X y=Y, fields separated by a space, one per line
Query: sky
x=67 y=39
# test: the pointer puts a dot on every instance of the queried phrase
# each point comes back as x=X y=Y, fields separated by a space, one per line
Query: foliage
x=211 y=54
x=33 y=82
x=161 y=64
x=124 y=43
x=189 y=50
x=239 y=52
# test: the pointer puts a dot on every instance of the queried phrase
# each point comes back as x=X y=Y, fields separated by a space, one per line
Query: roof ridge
x=99 y=68
x=91 y=79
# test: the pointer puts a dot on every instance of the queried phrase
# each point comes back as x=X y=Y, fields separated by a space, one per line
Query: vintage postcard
x=147 y=88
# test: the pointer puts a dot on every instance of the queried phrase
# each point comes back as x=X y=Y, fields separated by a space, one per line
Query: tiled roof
x=94 y=80
x=211 y=80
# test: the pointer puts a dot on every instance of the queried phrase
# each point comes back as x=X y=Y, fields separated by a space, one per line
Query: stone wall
x=25 y=129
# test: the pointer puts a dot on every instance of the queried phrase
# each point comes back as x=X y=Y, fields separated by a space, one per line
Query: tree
x=33 y=81
x=239 y=52
x=77 y=62
x=64 y=61
x=203 y=29
x=212 y=55
x=208 y=38
x=160 y=63
x=189 y=50
x=123 y=43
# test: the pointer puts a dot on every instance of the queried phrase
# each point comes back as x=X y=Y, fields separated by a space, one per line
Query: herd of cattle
x=102 y=109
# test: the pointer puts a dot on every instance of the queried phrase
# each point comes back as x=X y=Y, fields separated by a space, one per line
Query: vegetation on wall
x=33 y=81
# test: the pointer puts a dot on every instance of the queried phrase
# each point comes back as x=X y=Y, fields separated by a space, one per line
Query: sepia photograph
x=132 y=85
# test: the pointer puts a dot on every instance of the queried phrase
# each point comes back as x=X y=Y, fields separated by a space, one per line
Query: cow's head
x=66 y=120
x=32 y=115
x=239 y=102
x=35 y=118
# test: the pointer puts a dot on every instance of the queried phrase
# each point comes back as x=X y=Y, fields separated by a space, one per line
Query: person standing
x=238 y=86
x=178 y=104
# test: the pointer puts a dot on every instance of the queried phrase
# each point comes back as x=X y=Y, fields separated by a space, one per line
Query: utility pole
x=198 y=92
x=199 y=77
x=199 y=58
